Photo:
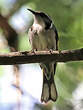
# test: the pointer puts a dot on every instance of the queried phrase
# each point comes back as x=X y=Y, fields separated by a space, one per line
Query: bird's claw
x=34 y=51
x=51 y=51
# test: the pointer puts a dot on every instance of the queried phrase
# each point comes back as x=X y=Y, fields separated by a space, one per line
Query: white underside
x=42 y=39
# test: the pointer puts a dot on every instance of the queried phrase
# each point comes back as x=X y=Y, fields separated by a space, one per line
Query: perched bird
x=43 y=36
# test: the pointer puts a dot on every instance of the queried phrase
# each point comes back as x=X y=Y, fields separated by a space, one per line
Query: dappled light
x=21 y=85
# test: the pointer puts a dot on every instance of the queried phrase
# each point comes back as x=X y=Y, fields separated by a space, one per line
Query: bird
x=43 y=36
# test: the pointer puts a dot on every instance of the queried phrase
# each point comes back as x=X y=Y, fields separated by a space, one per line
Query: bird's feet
x=34 y=51
x=51 y=51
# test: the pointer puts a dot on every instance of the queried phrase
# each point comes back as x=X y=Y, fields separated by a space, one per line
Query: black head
x=44 y=16
x=46 y=19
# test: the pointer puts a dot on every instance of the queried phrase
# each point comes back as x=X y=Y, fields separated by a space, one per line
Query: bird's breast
x=42 y=39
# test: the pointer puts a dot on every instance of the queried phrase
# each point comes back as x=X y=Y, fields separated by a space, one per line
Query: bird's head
x=41 y=18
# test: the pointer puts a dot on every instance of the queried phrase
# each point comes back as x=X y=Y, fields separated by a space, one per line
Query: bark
x=41 y=56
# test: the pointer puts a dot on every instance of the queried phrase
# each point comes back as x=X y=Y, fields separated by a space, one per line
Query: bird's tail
x=49 y=91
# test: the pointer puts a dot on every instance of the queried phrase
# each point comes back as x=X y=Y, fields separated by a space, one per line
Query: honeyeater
x=43 y=36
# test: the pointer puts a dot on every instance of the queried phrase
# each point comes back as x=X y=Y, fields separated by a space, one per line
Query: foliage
x=67 y=16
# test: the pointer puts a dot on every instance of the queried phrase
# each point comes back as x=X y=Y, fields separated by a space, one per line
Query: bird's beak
x=33 y=12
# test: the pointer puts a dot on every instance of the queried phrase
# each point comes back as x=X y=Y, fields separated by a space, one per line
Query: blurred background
x=20 y=85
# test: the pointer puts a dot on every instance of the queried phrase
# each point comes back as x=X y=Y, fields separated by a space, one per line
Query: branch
x=41 y=56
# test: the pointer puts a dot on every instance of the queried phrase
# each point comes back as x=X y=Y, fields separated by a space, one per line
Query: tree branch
x=41 y=56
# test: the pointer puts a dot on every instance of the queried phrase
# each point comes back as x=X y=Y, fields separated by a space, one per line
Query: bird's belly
x=42 y=42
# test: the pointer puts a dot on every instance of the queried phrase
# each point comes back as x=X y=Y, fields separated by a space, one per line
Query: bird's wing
x=56 y=36
x=55 y=64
